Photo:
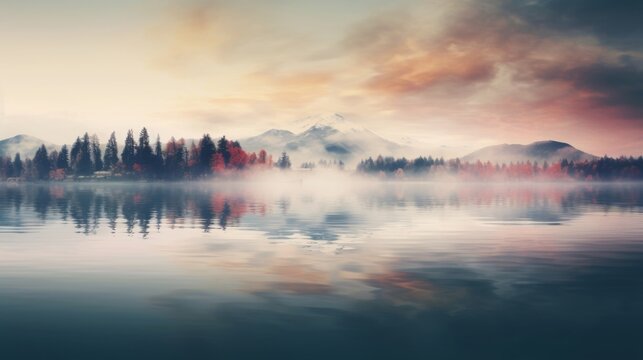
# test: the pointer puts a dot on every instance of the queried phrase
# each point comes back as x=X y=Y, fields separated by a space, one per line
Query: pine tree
x=6 y=168
x=62 y=162
x=129 y=153
x=41 y=163
x=284 y=161
x=193 y=159
x=96 y=154
x=207 y=149
x=73 y=155
x=158 y=156
x=175 y=158
x=84 y=165
x=222 y=146
x=144 y=150
x=111 y=153
x=53 y=159
x=17 y=166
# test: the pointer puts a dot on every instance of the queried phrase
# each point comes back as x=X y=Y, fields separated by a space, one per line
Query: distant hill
x=551 y=151
x=329 y=137
x=26 y=145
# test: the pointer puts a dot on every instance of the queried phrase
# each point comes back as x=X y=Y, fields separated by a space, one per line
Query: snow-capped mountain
x=335 y=121
x=328 y=137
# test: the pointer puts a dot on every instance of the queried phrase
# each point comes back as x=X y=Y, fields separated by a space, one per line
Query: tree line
x=139 y=158
x=599 y=169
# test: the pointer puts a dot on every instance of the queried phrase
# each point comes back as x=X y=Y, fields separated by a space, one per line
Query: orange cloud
x=426 y=70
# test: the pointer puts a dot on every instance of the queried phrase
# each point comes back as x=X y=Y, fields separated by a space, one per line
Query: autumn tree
x=252 y=159
x=238 y=157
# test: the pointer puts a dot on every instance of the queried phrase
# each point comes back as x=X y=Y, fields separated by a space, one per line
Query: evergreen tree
x=84 y=164
x=284 y=161
x=564 y=164
x=144 y=150
x=53 y=159
x=96 y=154
x=41 y=163
x=129 y=151
x=6 y=168
x=158 y=156
x=62 y=162
x=207 y=149
x=17 y=166
x=181 y=158
x=222 y=146
x=111 y=153
x=175 y=158
x=73 y=155
x=193 y=159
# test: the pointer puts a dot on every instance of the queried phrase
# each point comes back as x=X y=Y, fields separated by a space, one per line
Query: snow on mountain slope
x=335 y=121
x=328 y=137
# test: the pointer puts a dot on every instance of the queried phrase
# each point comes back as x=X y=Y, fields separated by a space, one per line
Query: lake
x=316 y=269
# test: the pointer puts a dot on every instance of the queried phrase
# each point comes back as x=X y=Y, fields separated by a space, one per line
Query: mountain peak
x=335 y=121
x=550 y=143
x=277 y=132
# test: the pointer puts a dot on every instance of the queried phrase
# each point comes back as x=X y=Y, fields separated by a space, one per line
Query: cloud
x=208 y=32
x=610 y=85
x=482 y=54
x=615 y=23
x=497 y=68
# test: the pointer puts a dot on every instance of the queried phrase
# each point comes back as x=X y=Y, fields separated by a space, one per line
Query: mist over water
x=318 y=267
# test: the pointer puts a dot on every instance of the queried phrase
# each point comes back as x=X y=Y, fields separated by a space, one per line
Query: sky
x=455 y=74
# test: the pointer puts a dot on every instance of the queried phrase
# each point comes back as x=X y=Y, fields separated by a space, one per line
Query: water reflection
x=371 y=271
x=138 y=207
x=141 y=208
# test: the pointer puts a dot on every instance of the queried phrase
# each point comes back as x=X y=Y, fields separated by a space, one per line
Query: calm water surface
x=291 y=271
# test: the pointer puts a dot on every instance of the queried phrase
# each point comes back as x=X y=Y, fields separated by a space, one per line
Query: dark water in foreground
x=292 y=271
